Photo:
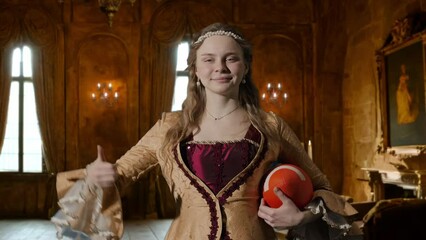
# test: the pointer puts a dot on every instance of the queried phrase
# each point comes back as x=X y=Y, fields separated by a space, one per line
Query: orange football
x=293 y=181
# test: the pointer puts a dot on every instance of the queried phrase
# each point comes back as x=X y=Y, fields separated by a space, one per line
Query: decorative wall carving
x=400 y=31
x=408 y=158
x=405 y=28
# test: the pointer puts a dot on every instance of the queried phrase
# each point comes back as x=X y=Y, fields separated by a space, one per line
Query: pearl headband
x=218 y=33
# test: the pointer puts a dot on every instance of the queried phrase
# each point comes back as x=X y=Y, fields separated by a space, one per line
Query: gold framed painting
x=402 y=92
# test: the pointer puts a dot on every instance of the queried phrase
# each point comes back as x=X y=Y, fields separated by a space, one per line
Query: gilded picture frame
x=401 y=68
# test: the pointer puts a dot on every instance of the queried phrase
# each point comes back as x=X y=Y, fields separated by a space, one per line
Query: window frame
x=181 y=73
x=21 y=80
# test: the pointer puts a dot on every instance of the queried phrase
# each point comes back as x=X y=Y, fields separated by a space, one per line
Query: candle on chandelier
x=274 y=95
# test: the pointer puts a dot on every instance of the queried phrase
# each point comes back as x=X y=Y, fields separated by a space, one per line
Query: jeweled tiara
x=218 y=33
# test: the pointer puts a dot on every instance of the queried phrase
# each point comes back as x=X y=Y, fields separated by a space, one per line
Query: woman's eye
x=208 y=60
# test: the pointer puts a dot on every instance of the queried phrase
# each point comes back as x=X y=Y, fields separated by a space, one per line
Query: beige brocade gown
x=230 y=213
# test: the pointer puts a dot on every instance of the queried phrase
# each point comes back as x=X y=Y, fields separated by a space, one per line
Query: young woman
x=213 y=155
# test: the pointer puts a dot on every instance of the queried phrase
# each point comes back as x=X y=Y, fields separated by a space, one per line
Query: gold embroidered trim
x=223 y=142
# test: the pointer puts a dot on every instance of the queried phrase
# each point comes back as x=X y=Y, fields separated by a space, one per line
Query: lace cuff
x=88 y=211
x=338 y=225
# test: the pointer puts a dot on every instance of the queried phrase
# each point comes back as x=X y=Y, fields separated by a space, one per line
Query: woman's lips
x=222 y=79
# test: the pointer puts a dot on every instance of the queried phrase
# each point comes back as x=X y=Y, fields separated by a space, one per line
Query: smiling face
x=220 y=66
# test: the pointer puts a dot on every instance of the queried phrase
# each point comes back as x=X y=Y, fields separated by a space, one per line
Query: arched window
x=22 y=146
x=181 y=81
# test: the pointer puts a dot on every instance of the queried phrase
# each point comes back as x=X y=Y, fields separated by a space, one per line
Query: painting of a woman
x=405 y=92
x=407 y=107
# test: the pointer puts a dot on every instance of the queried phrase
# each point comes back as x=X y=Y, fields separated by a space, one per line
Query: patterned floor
x=45 y=230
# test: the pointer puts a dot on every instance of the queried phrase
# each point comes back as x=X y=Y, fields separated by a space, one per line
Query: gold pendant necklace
x=218 y=118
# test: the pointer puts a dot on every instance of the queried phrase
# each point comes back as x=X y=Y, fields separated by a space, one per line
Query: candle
x=93 y=96
x=110 y=85
x=310 y=149
x=99 y=86
x=269 y=86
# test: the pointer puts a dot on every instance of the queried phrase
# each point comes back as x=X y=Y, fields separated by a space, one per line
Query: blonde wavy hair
x=195 y=102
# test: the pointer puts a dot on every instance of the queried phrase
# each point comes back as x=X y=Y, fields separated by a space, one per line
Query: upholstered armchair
x=399 y=218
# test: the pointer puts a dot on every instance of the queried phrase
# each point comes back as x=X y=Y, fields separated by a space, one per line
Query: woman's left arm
x=326 y=209
x=286 y=216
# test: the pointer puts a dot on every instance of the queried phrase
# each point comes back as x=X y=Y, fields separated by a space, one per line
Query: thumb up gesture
x=101 y=172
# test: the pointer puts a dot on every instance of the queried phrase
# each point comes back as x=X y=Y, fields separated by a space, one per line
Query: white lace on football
x=218 y=33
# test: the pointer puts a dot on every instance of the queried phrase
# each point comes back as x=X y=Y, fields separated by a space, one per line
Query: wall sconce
x=110 y=7
x=275 y=94
x=105 y=93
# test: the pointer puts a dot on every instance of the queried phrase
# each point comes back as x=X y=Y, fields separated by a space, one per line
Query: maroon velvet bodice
x=216 y=163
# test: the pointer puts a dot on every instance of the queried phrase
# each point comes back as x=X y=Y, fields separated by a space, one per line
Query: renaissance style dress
x=215 y=186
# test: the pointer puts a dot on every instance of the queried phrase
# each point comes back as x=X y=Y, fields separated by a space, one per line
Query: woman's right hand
x=101 y=172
